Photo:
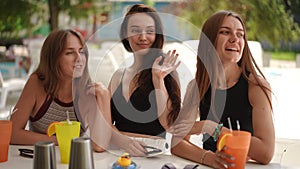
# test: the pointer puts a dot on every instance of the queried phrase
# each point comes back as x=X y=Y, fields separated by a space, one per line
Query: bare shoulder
x=115 y=80
x=117 y=74
x=192 y=84
x=32 y=96
x=191 y=96
x=256 y=92
x=254 y=81
x=34 y=83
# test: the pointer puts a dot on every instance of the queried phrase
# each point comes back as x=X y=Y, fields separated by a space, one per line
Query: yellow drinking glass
x=65 y=132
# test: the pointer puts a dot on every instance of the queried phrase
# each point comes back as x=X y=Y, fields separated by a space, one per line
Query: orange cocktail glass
x=238 y=146
x=5 y=134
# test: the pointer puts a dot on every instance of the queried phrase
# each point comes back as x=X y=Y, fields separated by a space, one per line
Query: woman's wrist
x=203 y=156
x=53 y=138
x=217 y=131
x=157 y=81
x=195 y=128
x=208 y=127
x=209 y=159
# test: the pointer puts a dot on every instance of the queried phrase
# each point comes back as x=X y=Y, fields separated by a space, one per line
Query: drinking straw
x=238 y=125
x=229 y=123
x=11 y=111
x=68 y=118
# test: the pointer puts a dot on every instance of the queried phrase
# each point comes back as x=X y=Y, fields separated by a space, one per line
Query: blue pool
x=7 y=67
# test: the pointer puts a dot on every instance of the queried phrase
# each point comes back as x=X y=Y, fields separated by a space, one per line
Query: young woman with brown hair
x=228 y=84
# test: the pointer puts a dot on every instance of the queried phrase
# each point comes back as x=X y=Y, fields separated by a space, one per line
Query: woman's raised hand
x=169 y=64
x=98 y=89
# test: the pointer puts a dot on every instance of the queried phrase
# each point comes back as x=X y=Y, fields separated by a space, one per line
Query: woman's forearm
x=261 y=151
x=26 y=137
x=161 y=100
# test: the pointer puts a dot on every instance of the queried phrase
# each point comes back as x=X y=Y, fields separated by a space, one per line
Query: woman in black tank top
x=146 y=95
x=138 y=115
x=228 y=84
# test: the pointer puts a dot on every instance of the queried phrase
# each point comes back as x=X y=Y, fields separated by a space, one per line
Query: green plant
x=284 y=55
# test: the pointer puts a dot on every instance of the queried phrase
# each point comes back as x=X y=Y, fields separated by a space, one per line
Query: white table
x=105 y=160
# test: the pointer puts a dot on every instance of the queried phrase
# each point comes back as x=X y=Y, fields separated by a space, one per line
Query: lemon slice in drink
x=51 y=128
x=222 y=141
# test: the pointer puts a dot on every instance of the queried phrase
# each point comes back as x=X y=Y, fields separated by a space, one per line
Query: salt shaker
x=44 y=155
x=81 y=156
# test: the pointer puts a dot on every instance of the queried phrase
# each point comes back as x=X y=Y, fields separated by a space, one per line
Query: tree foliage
x=16 y=16
x=20 y=18
x=266 y=20
x=79 y=9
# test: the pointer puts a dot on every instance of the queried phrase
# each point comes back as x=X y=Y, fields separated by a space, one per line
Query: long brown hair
x=145 y=76
x=49 y=71
x=208 y=61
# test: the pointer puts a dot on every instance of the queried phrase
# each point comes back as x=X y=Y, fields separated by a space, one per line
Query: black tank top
x=232 y=102
x=139 y=114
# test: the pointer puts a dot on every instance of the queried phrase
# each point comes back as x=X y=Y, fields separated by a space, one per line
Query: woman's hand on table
x=218 y=160
x=135 y=148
